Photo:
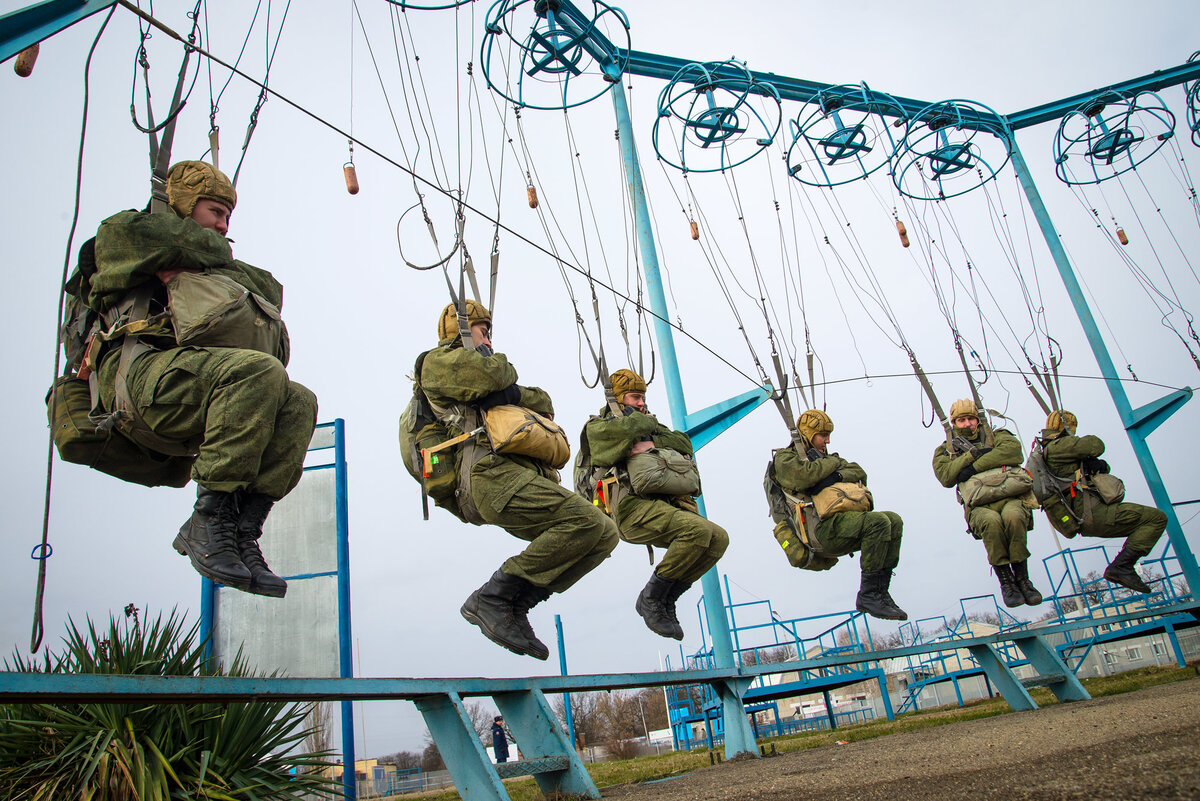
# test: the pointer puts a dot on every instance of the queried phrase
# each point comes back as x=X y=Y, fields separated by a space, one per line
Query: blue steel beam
x=1152 y=415
x=70 y=688
x=704 y=426
x=739 y=736
x=27 y=26
x=1137 y=426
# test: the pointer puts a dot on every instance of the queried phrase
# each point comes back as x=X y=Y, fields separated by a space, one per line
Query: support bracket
x=1145 y=419
x=705 y=425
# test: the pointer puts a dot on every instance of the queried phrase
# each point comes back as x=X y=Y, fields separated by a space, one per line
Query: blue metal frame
x=27 y=26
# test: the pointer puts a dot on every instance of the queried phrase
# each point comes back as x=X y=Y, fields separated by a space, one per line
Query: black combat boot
x=1021 y=575
x=1008 y=586
x=209 y=539
x=653 y=606
x=491 y=609
x=873 y=598
x=678 y=588
x=253 y=509
x=1121 y=571
x=530 y=596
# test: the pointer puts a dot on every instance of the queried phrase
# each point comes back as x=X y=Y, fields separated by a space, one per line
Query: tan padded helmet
x=448 y=322
x=189 y=182
x=963 y=407
x=626 y=381
x=814 y=421
x=1061 y=419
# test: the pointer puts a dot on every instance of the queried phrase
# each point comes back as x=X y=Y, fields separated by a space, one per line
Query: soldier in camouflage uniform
x=693 y=543
x=567 y=536
x=1004 y=524
x=251 y=424
x=1067 y=454
x=876 y=534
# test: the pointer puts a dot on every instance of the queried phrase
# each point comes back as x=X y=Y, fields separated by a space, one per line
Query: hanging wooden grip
x=351 y=179
x=695 y=230
x=25 y=60
x=1124 y=240
x=903 y=233
x=531 y=191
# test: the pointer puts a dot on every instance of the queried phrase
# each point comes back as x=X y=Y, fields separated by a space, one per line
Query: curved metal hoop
x=950 y=148
x=1110 y=135
x=847 y=136
x=723 y=117
x=564 y=60
x=1193 y=103
x=408 y=5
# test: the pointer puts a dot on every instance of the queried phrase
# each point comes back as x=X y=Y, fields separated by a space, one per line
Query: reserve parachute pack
x=72 y=402
x=1046 y=485
x=427 y=450
x=795 y=525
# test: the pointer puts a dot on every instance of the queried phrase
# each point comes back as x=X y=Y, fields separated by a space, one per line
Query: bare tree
x=431 y=758
x=481 y=719
x=403 y=760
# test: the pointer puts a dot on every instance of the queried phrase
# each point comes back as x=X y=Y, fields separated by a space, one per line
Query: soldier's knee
x=719 y=540
x=303 y=398
x=261 y=367
x=608 y=536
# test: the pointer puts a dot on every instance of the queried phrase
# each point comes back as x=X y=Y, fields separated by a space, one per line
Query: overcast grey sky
x=358 y=316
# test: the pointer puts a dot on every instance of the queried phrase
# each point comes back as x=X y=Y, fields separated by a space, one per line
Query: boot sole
x=883 y=616
x=474 y=619
x=1129 y=586
x=180 y=545
x=669 y=633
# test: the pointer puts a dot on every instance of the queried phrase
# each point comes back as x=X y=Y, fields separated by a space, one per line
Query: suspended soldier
x=1080 y=507
x=984 y=466
x=495 y=477
x=184 y=353
x=645 y=475
x=847 y=524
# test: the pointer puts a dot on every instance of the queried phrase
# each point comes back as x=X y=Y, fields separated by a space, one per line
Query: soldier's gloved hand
x=627 y=410
x=508 y=395
x=981 y=451
x=828 y=481
x=813 y=454
x=964 y=445
x=964 y=474
x=485 y=350
x=1093 y=466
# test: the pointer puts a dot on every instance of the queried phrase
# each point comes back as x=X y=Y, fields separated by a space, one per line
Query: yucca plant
x=152 y=752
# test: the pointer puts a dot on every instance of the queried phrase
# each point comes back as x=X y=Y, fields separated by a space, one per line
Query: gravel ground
x=1138 y=745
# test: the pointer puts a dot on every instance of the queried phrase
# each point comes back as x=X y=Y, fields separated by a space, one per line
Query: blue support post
x=1138 y=424
x=27 y=26
x=1005 y=680
x=560 y=771
x=562 y=668
x=460 y=747
x=739 y=738
x=345 y=657
x=1046 y=661
x=887 y=699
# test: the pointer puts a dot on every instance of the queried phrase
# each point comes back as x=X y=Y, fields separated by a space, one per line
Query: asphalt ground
x=1138 y=745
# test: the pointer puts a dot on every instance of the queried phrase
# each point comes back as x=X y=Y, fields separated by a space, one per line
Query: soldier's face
x=637 y=400
x=481 y=334
x=968 y=425
x=212 y=215
x=820 y=441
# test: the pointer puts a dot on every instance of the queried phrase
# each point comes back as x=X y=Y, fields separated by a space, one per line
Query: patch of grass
x=662 y=766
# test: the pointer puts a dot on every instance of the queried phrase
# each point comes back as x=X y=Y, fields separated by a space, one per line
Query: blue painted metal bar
x=208 y=608
x=1136 y=428
x=1153 y=414
x=1046 y=661
x=345 y=655
x=27 y=26
x=704 y=426
x=539 y=736
x=739 y=737
x=562 y=669
x=1005 y=680
x=460 y=747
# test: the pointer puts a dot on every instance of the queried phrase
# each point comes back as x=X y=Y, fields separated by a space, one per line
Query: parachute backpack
x=426 y=445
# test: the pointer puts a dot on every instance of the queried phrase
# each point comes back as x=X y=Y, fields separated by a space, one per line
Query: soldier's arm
x=132 y=246
x=947 y=467
x=255 y=279
x=796 y=474
x=675 y=440
x=1005 y=452
x=1064 y=454
x=611 y=438
x=465 y=376
x=538 y=400
x=852 y=472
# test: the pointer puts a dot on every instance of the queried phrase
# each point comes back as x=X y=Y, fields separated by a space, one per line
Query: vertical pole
x=346 y=666
x=738 y=737
x=208 y=613
x=1187 y=560
x=562 y=669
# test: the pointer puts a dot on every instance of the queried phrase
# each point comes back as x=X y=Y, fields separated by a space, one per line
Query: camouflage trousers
x=693 y=543
x=567 y=536
x=255 y=423
x=1003 y=526
x=876 y=534
x=1142 y=525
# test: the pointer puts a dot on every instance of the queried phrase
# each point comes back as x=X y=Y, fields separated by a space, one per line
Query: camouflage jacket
x=1006 y=452
x=610 y=438
x=796 y=474
x=1065 y=453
